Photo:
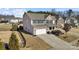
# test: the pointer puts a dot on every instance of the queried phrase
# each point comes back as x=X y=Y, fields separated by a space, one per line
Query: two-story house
x=37 y=23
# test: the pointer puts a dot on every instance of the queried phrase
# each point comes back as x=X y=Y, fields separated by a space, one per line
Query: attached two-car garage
x=39 y=31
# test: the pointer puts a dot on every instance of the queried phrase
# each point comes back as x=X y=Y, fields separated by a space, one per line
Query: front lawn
x=35 y=43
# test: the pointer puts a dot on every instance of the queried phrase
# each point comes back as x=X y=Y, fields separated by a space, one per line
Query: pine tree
x=13 y=42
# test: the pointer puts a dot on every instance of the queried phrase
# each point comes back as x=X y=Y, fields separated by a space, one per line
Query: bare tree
x=69 y=12
x=67 y=27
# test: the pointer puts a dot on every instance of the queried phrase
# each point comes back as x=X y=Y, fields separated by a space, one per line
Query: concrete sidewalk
x=56 y=42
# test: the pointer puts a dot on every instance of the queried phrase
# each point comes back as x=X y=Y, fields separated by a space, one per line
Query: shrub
x=56 y=32
x=6 y=46
x=13 y=42
x=48 y=32
x=20 y=27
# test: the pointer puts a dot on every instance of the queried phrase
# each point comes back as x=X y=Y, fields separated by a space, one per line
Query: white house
x=72 y=20
x=15 y=20
x=10 y=19
x=6 y=18
x=36 y=23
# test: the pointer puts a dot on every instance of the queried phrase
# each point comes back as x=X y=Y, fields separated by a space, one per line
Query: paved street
x=55 y=42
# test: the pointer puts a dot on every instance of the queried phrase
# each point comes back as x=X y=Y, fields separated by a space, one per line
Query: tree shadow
x=6 y=46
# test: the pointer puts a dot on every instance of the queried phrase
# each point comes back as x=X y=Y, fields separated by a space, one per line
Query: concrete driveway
x=56 y=42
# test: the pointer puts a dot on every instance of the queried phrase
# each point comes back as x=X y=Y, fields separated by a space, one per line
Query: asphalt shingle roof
x=37 y=16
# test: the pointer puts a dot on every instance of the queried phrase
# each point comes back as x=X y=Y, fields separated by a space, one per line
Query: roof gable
x=50 y=17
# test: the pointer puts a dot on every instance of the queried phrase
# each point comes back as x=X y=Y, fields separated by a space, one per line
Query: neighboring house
x=10 y=19
x=51 y=22
x=77 y=17
x=72 y=20
x=36 y=23
x=60 y=22
x=6 y=18
x=15 y=20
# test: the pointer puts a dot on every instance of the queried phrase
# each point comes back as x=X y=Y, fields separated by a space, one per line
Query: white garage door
x=40 y=31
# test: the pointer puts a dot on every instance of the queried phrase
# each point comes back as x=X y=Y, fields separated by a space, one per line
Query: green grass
x=1 y=46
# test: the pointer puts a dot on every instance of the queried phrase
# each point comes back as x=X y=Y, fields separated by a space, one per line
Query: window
x=34 y=21
x=53 y=22
x=38 y=21
x=50 y=28
x=47 y=21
